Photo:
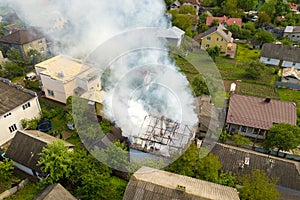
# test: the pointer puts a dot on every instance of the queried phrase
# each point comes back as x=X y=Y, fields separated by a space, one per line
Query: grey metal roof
x=12 y=96
x=281 y=52
x=152 y=184
x=27 y=145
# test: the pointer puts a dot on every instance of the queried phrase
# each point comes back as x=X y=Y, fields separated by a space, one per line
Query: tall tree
x=190 y=164
x=258 y=186
x=187 y=9
x=199 y=86
x=55 y=160
x=247 y=5
x=214 y=52
x=283 y=137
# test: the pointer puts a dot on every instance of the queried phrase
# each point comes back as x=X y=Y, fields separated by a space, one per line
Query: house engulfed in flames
x=162 y=136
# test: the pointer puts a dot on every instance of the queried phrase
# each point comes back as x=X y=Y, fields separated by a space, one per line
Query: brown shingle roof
x=281 y=52
x=27 y=145
x=152 y=184
x=11 y=97
x=23 y=36
x=255 y=112
x=55 y=192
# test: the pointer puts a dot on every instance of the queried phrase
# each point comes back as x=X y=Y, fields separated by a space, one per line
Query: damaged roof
x=23 y=36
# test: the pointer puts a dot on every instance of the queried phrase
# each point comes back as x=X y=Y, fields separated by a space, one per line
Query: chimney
x=268 y=100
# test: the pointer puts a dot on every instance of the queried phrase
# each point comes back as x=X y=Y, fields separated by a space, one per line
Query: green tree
x=247 y=5
x=6 y=171
x=106 y=126
x=213 y=52
x=235 y=30
x=208 y=168
x=199 y=86
x=240 y=140
x=254 y=70
x=228 y=179
x=263 y=19
x=264 y=36
x=190 y=164
x=12 y=70
x=16 y=56
x=258 y=186
x=55 y=160
x=283 y=137
x=187 y=9
x=230 y=8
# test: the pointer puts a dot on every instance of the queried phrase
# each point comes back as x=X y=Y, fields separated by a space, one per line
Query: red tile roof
x=194 y=2
x=224 y=20
x=23 y=36
x=256 y=112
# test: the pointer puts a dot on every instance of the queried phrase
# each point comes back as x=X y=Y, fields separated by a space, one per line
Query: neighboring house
x=224 y=21
x=26 y=147
x=253 y=116
x=280 y=55
x=9 y=29
x=290 y=75
x=175 y=5
x=173 y=35
x=194 y=3
x=152 y=184
x=256 y=44
x=25 y=40
x=242 y=161
x=292 y=32
x=16 y=104
x=63 y=76
x=215 y=36
x=293 y=7
x=207 y=115
x=55 y=192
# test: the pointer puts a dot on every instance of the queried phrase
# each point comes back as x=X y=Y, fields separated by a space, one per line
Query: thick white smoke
x=146 y=82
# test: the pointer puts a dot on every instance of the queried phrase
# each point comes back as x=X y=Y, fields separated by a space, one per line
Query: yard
x=245 y=54
x=291 y=95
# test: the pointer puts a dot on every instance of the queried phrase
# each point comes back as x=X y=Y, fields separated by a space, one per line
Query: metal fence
x=293 y=86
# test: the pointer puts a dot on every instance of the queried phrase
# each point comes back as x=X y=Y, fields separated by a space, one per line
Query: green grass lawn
x=290 y=95
x=263 y=91
x=29 y=192
x=244 y=54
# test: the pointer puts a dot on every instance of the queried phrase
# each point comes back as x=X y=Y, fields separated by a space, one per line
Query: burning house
x=162 y=136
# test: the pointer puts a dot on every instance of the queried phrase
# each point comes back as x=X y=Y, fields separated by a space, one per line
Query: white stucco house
x=63 y=76
x=173 y=35
x=280 y=55
x=292 y=32
x=16 y=104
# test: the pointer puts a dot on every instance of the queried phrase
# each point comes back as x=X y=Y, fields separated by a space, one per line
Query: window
x=6 y=115
x=51 y=93
x=41 y=49
x=206 y=46
x=294 y=64
x=222 y=39
x=40 y=41
x=26 y=105
x=217 y=39
x=293 y=35
x=208 y=38
x=269 y=59
x=12 y=128
x=244 y=128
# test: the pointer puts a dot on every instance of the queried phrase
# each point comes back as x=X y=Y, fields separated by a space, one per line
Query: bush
x=240 y=140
